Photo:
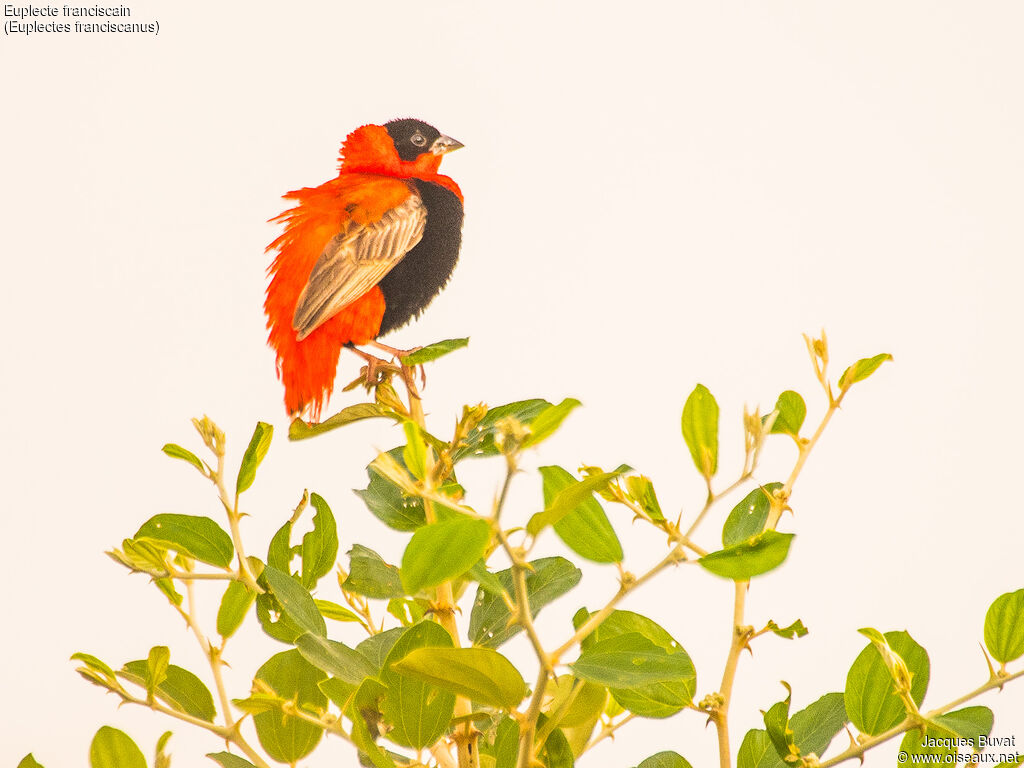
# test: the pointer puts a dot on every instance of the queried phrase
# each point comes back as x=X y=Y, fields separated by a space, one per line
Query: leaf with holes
x=548 y=579
x=191 y=535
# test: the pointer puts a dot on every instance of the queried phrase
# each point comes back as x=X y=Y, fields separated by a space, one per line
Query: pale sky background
x=656 y=194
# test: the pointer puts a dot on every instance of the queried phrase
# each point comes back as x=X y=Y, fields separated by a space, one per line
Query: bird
x=360 y=255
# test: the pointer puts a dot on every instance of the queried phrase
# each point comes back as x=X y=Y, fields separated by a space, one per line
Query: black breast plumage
x=420 y=276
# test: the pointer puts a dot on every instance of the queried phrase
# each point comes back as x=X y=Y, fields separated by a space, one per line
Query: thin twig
x=245 y=572
x=595 y=619
x=528 y=728
x=607 y=731
x=522 y=601
x=714 y=497
x=213 y=656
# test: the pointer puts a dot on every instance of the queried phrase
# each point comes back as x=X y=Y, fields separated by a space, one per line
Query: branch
x=528 y=729
x=869 y=742
x=595 y=619
x=217 y=477
x=231 y=735
x=740 y=635
x=607 y=731
x=713 y=497
x=467 y=738
x=213 y=656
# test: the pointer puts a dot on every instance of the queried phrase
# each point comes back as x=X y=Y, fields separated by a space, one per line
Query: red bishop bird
x=360 y=255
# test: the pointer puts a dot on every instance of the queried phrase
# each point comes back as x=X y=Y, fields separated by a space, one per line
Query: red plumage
x=338 y=258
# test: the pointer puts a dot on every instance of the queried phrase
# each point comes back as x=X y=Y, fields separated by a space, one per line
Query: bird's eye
x=419 y=139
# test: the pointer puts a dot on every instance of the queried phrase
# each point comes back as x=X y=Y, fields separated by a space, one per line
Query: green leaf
x=588 y=703
x=177 y=452
x=969 y=722
x=196 y=537
x=161 y=758
x=621 y=622
x=776 y=724
x=338 y=691
x=414 y=454
x=753 y=557
x=258 y=446
x=585 y=529
x=549 y=420
x=747 y=518
x=481 y=674
x=667 y=759
x=557 y=753
x=96 y=671
x=364 y=710
x=570 y=497
x=141 y=555
x=377 y=647
x=259 y=702
x=288 y=739
x=870 y=698
x=815 y=726
x=370 y=576
x=548 y=579
x=334 y=658
x=112 y=748
x=756 y=751
x=796 y=629
x=279 y=552
x=234 y=606
x=813 y=730
x=700 y=429
x=301 y=430
x=657 y=699
x=393 y=469
x=631 y=661
x=861 y=370
x=506 y=743
x=319 y=546
x=227 y=760
x=792 y=412
x=156 y=667
x=294 y=601
x=441 y=551
x=28 y=761
x=334 y=611
x=433 y=351
x=275 y=622
x=487 y=580
x=1004 y=627
x=388 y=503
x=180 y=690
x=408 y=612
x=641 y=490
x=167 y=587
x=419 y=712
x=480 y=441
x=958 y=731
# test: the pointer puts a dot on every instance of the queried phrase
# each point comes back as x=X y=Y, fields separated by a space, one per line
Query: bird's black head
x=414 y=137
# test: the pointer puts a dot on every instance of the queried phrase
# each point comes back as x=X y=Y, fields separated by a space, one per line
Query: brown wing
x=356 y=260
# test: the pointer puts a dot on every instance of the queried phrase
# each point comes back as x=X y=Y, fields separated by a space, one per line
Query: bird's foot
x=407 y=372
x=376 y=371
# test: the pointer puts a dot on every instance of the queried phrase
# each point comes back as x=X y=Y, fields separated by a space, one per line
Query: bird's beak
x=444 y=144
